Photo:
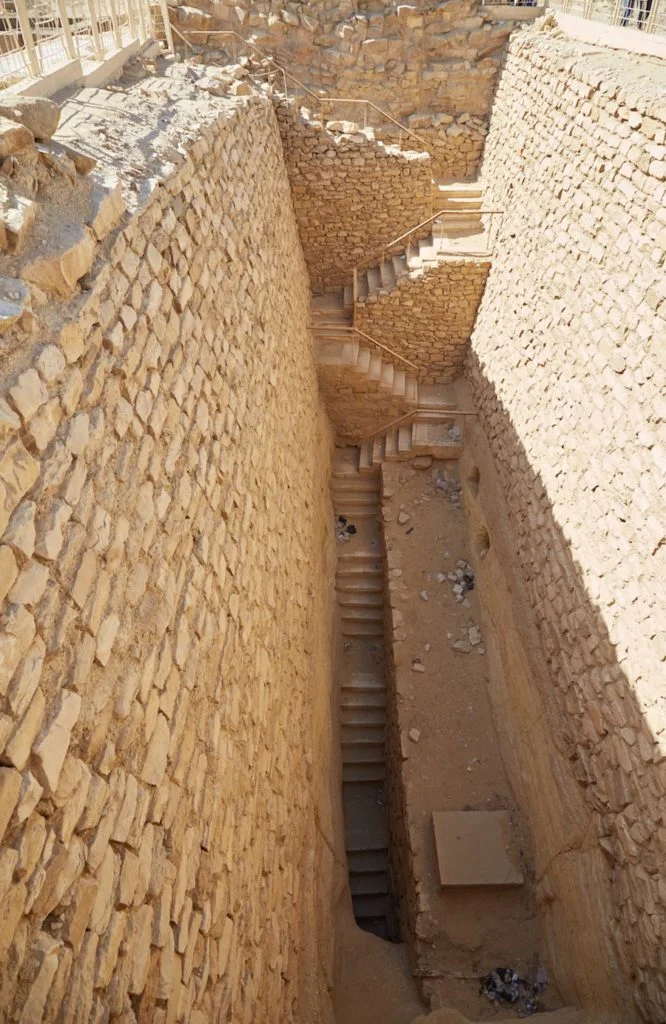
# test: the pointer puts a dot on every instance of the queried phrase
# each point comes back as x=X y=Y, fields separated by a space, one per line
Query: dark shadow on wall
x=590 y=708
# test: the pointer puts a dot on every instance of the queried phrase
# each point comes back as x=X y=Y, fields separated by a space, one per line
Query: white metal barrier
x=647 y=15
x=37 y=37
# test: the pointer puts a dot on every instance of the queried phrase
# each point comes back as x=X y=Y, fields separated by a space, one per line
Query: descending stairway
x=463 y=202
x=338 y=345
x=363 y=698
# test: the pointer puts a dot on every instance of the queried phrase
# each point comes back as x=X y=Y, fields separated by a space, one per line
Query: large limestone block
x=13 y=137
x=59 y=272
x=40 y=116
x=53 y=744
x=108 y=208
x=18 y=217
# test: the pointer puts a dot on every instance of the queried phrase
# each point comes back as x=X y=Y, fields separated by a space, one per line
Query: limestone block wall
x=165 y=541
x=428 y=317
x=419 y=61
x=567 y=370
x=351 y=194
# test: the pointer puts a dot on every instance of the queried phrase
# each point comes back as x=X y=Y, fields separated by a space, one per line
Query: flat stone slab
x=473 y=848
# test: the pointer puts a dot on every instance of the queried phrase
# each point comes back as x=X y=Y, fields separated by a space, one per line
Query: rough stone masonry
x=164 y=619
x=567 y=369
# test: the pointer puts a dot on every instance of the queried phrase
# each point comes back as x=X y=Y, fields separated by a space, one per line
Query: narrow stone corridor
x=363 y=698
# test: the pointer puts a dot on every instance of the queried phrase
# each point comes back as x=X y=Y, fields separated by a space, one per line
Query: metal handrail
x=321 y=98
x=412 y=414
x=351 y=328
x=417 y=227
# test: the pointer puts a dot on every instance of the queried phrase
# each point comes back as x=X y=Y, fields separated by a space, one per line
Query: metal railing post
x=144 y=32
x=28 y=40
x=115 y=24
x=70 y=49
x=94 y=28
x=167 y=25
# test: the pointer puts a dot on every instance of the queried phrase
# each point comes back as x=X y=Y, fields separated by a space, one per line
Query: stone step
x=360 y=558
x=371 y=906
x=370 y=883
x=360 y=584
x=363 y=753
x=362 y=716
x=412 y=390
x=374 y=280
x=378 y=450
x=366 y=629
x=359 y=498
x=399 y=383
x=404 y=439
x=364 y=681
x=386 y=376
x=399 y=266
x=391 y=445
x=371 y=735
x=433 y=439
x=343 y=482
x=387 y=275
x=367 y=861
x=362 y=599
x=362 y=613
x=363 y=359
x=337 y=353
x=375 y=368
x=357 y=697
x=365 y=458
x=363 y=773
x=352 y=571
x=436 y=396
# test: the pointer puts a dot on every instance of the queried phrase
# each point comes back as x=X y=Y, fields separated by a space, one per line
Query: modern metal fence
x=39 y=36
x=645 y=15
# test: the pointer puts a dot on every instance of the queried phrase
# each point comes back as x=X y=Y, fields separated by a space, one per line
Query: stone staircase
x=363 y=697
x=432 y=429
x=338 y=345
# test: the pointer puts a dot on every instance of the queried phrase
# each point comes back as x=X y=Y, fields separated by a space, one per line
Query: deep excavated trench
x=429 y=746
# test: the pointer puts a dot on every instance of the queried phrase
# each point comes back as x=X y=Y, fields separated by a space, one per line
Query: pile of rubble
x=38 y=173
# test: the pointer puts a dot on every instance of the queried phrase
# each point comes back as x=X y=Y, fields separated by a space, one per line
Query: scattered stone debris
x=424 y=595
x=455 y=433
x=469 y=641
x=504 y=984
x=344 y=530
x=449 y=486
x=417 y=665
x=463 y=580
x=415 y=735
x=403 y=517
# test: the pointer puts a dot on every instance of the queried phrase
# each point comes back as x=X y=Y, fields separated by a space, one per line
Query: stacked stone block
x=428 y=316
x=430 y=65
x=351 y=193
x=567 y=371
x=163 y=520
